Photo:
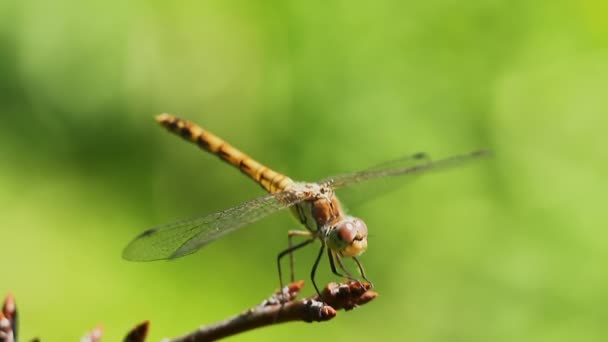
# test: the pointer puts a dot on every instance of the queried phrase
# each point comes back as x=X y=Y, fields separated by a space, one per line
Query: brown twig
x=283 y=307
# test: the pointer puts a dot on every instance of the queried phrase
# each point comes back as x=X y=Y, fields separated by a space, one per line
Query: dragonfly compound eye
x=349 y=237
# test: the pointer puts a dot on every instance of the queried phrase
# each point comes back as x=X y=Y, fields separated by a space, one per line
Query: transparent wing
x=409 y=165
x=187 y=236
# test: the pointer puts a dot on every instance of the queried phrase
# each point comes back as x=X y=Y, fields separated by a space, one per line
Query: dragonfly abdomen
x=269 y=179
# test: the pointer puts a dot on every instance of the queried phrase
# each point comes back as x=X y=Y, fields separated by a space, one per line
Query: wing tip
x=129 y=254
x=134 y=252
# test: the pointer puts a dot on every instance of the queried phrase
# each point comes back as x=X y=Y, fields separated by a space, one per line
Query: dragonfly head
x=349 y=237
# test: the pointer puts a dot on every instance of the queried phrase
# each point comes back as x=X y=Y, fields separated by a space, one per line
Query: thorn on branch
x=138 y=333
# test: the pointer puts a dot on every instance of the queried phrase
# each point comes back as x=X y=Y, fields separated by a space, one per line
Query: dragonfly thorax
x=348 y=237
x=321 y=208
x=322 y=213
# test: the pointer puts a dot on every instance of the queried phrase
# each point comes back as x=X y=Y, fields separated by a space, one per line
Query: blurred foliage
x=506 y=249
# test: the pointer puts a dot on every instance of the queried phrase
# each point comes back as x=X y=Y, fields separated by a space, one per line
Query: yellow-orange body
x=315 y=205
x=269 y=179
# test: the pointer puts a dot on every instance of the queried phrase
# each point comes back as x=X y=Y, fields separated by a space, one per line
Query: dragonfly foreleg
x=331 y=255
x=362 y=271
x=290 y=250
x=349 y=275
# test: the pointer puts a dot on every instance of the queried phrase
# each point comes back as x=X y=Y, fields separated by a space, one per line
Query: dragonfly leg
x=314 y=269
x=362 y=270
x=290 y=250
x=343 y=268
x=290 y=235
x=332 y=264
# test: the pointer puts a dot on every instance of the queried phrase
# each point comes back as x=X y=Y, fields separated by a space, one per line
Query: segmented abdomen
x=269 y=179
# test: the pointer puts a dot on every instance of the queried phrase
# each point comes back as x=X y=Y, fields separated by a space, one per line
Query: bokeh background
x=511 y=248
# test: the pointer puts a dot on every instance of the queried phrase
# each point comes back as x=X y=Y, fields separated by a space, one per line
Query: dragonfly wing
x=414 y=164
x=187 y=236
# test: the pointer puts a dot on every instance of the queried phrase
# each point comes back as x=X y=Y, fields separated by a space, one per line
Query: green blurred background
x=511 y=248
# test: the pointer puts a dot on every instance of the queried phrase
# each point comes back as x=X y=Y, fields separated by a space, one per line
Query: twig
x=283 y=307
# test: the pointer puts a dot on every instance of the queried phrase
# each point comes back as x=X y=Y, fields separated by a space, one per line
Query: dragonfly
x=314 y=204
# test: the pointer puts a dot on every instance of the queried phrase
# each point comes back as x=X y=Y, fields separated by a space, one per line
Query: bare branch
x=283 y=307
